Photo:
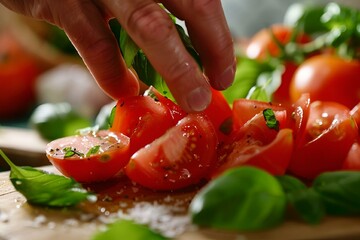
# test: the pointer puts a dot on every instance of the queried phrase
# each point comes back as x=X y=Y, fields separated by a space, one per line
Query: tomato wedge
x=142 y=119
x=93 y=157
x=330 y=133
x=181 y=157
x=257 y=145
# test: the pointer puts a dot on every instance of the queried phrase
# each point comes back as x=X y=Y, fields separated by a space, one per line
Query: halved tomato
x=257 y=145
x=181 y=157
x=330 y=133
x=93 y=157
x=352 y=161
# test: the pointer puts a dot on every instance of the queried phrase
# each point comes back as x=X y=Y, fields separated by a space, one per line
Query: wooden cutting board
x=165 y=212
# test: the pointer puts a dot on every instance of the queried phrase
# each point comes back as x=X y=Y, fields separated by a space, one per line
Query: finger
x=90 y=33
x=211 y=37
x=154 y=32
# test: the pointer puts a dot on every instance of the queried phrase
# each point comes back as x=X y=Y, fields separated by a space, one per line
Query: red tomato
x=262 y=44
x=94 y=157
x=245 y=109
x=355 y=113
x=282 y=94
x=181 y=157
x=142 y=119
x=330 y=133
x=18 y=72
x=328 y=78
x=352 y=161
x=219 y=113
x=257 y=145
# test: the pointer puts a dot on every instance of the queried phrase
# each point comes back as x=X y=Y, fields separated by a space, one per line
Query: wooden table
x=165 y=212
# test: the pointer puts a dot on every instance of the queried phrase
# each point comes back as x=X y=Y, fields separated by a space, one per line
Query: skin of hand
x=86 y=24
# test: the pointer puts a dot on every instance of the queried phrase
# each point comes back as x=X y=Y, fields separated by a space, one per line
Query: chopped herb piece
x=270 y=119
x=93 y=150
x=69 y=152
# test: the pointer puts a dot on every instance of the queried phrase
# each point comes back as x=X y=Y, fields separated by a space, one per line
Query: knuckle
x=202 y=6
x=180 y=70
x=151 y=24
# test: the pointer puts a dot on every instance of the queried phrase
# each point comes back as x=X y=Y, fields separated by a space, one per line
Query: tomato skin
x=219 y=113
x=18 y=72
x=352 y=161
x=104 y=165
x=330 y=133
x=142 y=119
x=181 y=157
x=257 y=145
x=328 y=78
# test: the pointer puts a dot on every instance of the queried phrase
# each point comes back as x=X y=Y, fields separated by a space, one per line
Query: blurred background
x=45 y=86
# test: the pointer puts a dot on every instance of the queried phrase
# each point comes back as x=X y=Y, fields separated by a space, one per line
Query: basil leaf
x=128 y=47
x=270 y=119
x=125 y=229
x=246 y=75
x=93 y=150
x=244 y=198
x=305 y=201
x=41 y=188
x=340 y=192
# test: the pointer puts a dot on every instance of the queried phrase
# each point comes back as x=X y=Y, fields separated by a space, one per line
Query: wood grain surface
x=164 y=212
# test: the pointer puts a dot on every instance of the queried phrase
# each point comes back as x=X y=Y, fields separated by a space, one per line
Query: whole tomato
x=328 y=77
x=18 y=72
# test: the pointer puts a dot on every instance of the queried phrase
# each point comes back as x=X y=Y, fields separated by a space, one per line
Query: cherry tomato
x=328 y=78
x=330 y=133
x=257 y=145
x=94 y=157
x=142 y=119
x=181 y=157
x=18 y=72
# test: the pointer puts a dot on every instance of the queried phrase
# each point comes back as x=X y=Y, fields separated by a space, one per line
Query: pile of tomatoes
x=156 y=144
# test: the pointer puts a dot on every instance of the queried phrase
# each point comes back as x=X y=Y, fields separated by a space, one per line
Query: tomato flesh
x=143 y=119
x=257 y=145
x=72 y=155
x=330 y=133
x=181 y=157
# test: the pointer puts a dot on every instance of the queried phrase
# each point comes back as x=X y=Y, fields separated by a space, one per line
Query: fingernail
x=199 y=98
x=226 y=79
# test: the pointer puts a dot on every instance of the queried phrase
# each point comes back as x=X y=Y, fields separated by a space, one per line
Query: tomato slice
x=94 y=157
x=219 y=113
x=257 y=145
x=181 y=157
x=142 y=119
x=245 y=109
x=330 y=133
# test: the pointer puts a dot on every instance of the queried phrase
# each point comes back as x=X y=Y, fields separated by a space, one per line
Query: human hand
x=86 y=24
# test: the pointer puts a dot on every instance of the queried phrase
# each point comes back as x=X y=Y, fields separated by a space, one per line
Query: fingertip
x=225 y=79
x=198 y=99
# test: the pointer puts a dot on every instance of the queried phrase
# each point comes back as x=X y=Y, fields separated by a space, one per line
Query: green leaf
x=270 y=119
x=128 y=47
x=93 y=150
x=339 y=191
x=125 y=229
x=41 y=188
x=305 y=201
x=244 y=199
